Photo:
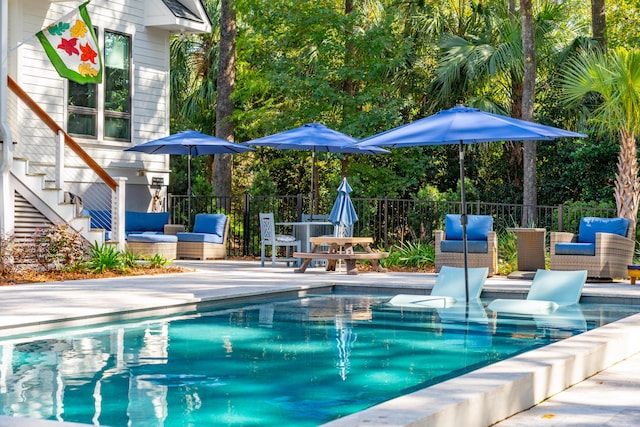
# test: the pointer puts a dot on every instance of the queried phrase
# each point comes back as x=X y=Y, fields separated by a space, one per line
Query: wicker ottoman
x=150 y=245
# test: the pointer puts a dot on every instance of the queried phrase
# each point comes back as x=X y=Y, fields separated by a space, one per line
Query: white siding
x=150 y=85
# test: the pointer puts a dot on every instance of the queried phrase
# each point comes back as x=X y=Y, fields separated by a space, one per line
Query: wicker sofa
x=482 y=243
x=603 y=246
x=208 y=239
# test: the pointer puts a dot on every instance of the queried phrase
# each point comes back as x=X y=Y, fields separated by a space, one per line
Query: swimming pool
x=284 y=362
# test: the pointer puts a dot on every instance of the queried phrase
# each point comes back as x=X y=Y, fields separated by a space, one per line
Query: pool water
x=298 y=362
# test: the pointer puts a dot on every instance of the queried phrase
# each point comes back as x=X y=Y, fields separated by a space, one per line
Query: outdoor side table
x=531 y=244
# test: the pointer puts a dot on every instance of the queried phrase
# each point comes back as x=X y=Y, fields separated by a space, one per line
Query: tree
x=615 y=78
x=598 y=22
x=222 y=166
x=529 y=198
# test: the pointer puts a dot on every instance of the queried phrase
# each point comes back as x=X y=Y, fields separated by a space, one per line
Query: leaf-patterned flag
x=72 y=47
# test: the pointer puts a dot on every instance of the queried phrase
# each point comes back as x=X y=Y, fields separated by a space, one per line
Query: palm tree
x=615 y=78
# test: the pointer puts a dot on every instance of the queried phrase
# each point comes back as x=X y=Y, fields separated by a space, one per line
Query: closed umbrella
x=190 y=143
x=314 y=137
x=463 y=125
x=343 y=214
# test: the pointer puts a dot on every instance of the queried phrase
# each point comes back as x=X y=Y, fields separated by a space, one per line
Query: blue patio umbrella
x=463 y=125
x=343 y=212
x=190 y=143
x=314 y=137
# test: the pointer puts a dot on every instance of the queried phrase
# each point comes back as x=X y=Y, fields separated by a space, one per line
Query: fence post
x=560 y=218
x=246 y=220
x=386 y=220
x=299 y=206
x=117 y=212
x=60 y=160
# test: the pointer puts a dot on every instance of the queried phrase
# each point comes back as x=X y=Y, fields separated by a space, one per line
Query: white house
x=42 y=172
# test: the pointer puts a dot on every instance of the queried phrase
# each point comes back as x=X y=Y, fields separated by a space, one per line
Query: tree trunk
x=529 y=197
x=223 y=163
x=627 y=182
x=599 y=23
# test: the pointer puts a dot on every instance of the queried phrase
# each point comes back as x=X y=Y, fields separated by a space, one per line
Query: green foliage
x=383 y=64
x=158 y=260
x=507 y=253
x=129 y=259
x=104 y=258
x=412 y=255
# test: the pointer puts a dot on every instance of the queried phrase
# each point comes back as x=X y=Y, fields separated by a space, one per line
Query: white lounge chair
x=549 y=290
x=449 y=288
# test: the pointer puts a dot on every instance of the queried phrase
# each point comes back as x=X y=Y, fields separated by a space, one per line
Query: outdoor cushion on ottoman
x=149 y=244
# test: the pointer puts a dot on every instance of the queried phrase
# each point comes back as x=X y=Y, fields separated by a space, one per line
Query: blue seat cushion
x=199 y=237
x=210 y=223
x=478 y=227
x=473 y=246
x=145 y=221
x=575 y=249
x=589 y=226
x=152 y=238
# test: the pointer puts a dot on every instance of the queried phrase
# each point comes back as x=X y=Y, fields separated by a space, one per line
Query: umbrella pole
x=313 y=177
x=189 y=190
x=463 y=223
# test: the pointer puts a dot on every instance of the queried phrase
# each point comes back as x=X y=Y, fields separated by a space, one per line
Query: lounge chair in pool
x=448 y=288
x=482 y=243
x=549 y=290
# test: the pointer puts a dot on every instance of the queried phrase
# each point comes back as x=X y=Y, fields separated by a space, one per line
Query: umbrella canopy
x=314 y=137
x=463 y=125
x=343 y=214
x=190 y=143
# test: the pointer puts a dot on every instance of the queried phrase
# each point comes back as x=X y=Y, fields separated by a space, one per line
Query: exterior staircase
x=38 y=204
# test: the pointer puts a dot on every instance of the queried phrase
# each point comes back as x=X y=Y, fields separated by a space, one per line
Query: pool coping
x=520 y=382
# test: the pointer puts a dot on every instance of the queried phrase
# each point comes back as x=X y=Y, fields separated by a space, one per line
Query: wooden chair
x=273 y=240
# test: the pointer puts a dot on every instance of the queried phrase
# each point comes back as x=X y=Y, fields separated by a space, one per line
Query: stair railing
x=116 y=188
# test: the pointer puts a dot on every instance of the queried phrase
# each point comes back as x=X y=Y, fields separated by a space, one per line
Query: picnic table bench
x=335 y=253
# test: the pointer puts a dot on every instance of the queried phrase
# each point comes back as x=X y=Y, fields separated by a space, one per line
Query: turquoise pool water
x=298 y=362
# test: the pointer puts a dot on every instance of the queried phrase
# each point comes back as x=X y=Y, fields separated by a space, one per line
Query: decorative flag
x=72 y=47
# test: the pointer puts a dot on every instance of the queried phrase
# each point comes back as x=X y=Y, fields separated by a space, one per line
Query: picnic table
x=341 y=248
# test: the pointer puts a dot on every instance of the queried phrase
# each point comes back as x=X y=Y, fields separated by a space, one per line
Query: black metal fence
x=389 y=221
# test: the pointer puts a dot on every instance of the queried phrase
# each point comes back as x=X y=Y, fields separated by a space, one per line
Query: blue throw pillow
x=478 y=227
x=145 y=221
x=210 y=223
x=589 y=226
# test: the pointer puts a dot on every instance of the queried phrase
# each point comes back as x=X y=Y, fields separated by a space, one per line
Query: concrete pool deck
x=481 y=398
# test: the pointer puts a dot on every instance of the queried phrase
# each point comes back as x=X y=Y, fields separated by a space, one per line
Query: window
x=115 y=92
x=82 y=109
x=117 y=86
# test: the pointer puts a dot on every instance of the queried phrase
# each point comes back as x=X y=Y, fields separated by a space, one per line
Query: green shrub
x=105 y=257
x=412 y=255
x=158 y=260
x=507 y=253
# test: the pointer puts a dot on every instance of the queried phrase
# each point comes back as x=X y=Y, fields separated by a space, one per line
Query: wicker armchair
x=603 y=246
x=482 y=243
x=208 y=239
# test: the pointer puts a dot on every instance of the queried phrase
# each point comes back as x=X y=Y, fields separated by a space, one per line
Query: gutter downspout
x=6 y=160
